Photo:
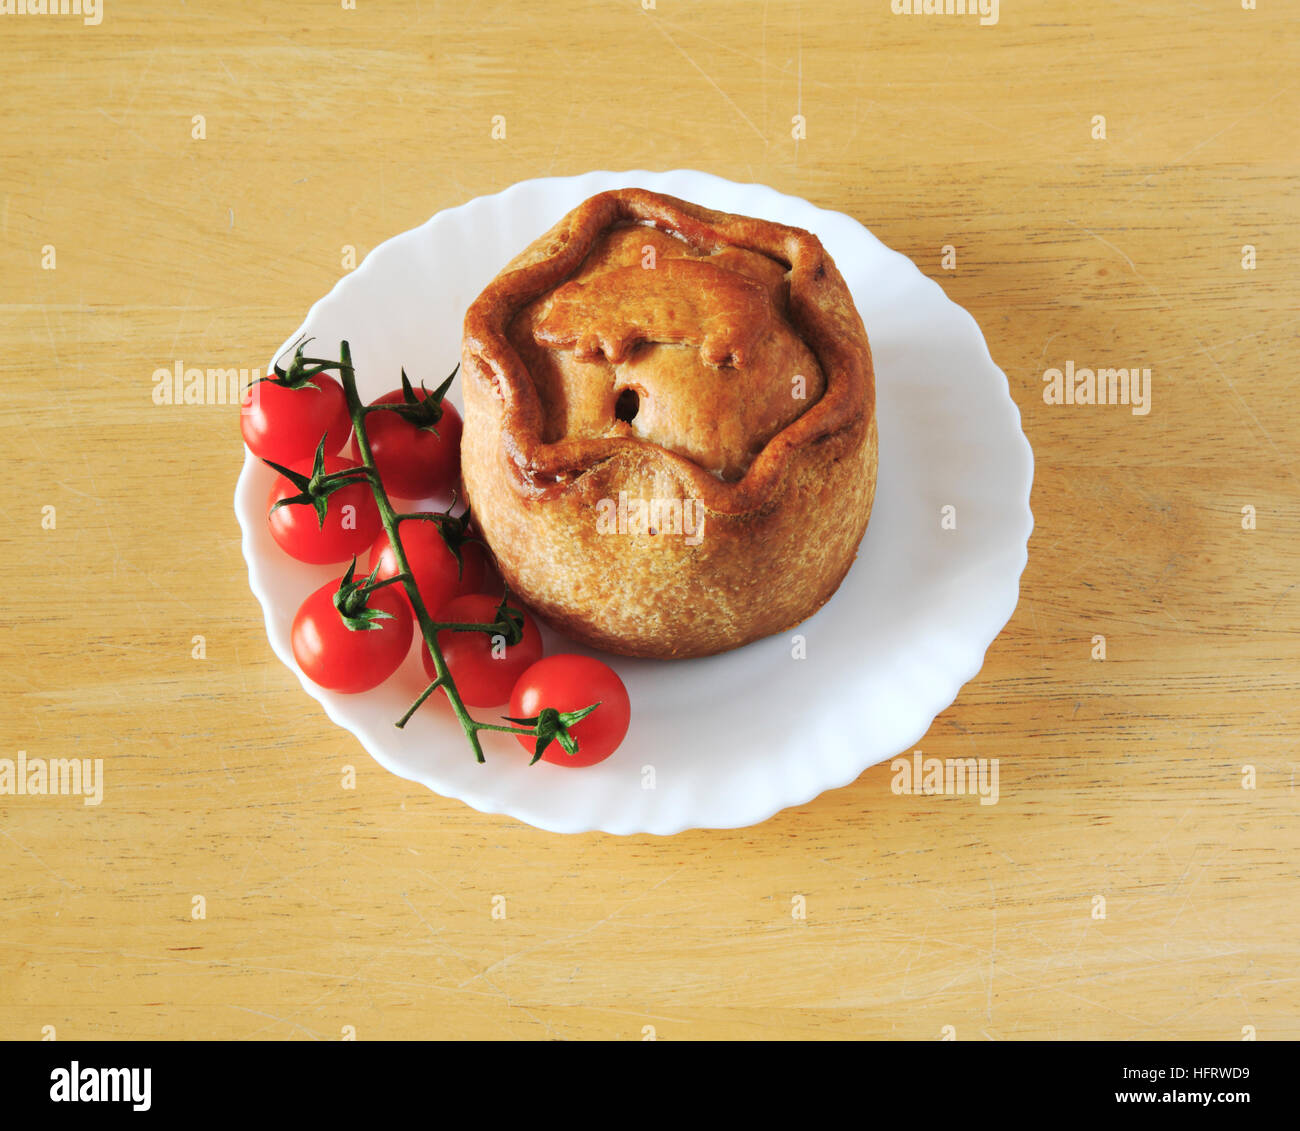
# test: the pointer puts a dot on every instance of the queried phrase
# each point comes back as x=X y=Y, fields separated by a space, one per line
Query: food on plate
x=484 y=665
x=415 y=444
x=670 y=435
x=349 y=640
x=570 y=683
x=285 y=417
x=325 y=530
x=350 y=635
x=438 y=575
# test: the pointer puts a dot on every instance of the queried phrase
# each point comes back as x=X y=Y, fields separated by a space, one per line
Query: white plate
x=726 y=741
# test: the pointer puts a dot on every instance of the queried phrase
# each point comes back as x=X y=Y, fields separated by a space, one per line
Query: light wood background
x=371 y=908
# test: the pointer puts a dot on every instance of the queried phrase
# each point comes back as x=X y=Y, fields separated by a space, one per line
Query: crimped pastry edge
x=821 y=309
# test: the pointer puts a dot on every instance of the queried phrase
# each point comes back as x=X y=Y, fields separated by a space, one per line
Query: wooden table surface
x=1128 y=884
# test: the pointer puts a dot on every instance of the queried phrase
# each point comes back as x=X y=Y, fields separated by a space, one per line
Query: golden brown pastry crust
x=781 y=525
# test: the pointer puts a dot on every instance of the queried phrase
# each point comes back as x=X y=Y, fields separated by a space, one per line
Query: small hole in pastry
x=627 y=405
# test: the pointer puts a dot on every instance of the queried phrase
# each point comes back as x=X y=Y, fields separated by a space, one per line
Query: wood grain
x=372 y=907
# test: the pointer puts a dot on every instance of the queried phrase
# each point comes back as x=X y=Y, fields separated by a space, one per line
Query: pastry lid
x=821 y=310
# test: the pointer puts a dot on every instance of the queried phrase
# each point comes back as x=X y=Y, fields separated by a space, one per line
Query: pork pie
x=670 y=433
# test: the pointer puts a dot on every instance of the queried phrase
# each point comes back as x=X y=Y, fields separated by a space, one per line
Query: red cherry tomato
x=351 y=521
x=432 y=565
x=570 y=683
x=483 y=666
x=340 y=658
x=285 y=425
x=413 y=462
x=492 y=583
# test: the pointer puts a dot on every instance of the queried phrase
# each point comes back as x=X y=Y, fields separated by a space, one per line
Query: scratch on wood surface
x=1038 y=634
x=1245 y=408
x=277 y=1020
x=993 y=946
x=1249 y=113
x=658 y=26
x=571 y=935
x=24 y=848
x=1127 y=259
x=920 y=949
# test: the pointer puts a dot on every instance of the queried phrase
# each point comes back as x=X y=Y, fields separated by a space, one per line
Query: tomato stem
x=544 y=728
x=406 y=718
x=397 y=578
x=388 y=516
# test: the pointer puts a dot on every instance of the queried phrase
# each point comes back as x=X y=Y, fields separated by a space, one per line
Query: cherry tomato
x=413 y=462
x=285 y=425
x=340 y=658
x=570 y=683
x=351 y=521
x=483 y=666
x=492 y=583
x=432 y=565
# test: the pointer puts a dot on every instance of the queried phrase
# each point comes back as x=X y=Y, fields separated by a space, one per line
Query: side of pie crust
x=670 y=436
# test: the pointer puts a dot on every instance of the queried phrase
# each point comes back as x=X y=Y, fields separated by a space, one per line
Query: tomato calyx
x=510 y=621
x=316 y=488
x=350 y=599
x=551 y=725
x=301 y=369
x=454 y=530
x=424 y=412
